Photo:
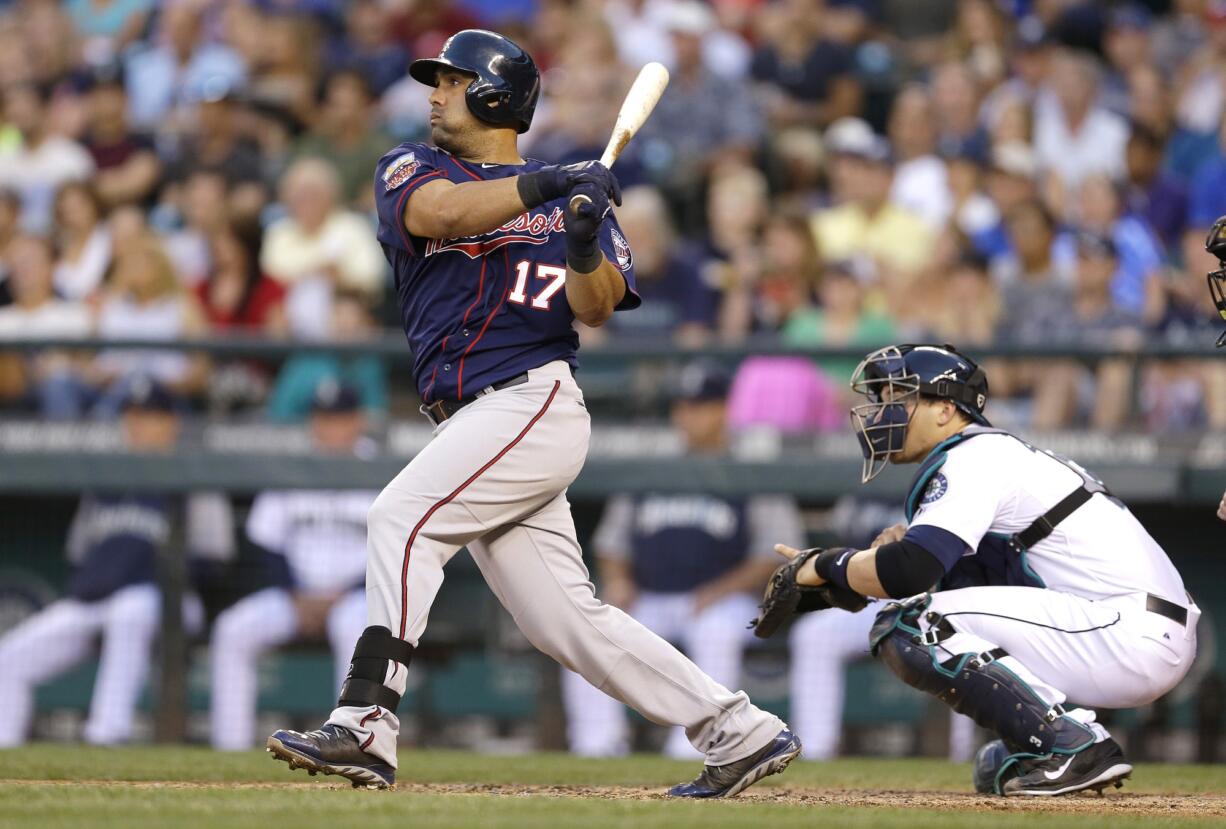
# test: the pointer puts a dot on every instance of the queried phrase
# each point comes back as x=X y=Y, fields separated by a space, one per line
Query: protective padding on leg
x=364 y=686
x=976 y=685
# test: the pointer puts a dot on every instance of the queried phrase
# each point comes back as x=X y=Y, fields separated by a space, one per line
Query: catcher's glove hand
x=785 y=597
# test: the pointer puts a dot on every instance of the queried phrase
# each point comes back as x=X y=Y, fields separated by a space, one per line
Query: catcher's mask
x=894 y=377
x=1215 y=243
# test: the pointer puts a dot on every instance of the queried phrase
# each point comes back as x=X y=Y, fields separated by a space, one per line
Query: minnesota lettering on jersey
x=526 y=228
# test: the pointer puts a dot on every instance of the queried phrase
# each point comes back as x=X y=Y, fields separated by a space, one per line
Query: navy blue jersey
x=114 y=542
x=484 y=308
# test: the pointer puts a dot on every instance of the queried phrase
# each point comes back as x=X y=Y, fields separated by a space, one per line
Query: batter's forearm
x=441 y=210
x=593 y=296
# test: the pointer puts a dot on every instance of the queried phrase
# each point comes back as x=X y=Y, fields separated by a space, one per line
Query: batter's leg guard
x=374 y=652
x=975 y=684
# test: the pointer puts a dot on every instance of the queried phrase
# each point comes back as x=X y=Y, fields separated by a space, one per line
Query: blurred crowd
x=821 y=172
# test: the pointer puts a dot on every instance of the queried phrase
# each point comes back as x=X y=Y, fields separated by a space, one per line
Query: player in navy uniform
x=113 y=595
x=492 y=268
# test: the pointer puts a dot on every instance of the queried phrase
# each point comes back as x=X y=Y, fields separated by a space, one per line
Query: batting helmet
x=891 y=376
x=506 y=85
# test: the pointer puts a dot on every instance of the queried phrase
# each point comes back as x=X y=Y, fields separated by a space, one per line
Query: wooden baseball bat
x=642 y=98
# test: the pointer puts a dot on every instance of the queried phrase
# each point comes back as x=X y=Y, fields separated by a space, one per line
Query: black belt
x=1172 y=611
x=440 y=410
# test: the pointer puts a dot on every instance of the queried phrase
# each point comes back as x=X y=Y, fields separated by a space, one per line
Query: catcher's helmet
x=506 y=85
x=891 y=376
x=1215 y=243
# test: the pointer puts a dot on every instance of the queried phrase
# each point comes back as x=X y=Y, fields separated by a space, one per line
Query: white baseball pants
x=247 y=630
x=715 y=640
x=62 y=635
x=494 y=478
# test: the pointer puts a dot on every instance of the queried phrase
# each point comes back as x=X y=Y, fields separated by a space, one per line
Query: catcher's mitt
x=784 y=597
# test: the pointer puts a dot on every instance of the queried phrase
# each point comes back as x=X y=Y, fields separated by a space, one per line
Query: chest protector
x=1000 y=559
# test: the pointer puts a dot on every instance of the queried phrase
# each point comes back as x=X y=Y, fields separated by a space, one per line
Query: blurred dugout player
x=113 y=542
x=689 y=566
x=316 y=546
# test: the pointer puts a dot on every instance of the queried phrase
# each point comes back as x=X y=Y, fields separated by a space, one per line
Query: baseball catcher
x=1018 y=583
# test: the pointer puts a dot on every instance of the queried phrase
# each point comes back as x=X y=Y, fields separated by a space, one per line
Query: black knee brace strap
x=975 y=684
x=364 y=683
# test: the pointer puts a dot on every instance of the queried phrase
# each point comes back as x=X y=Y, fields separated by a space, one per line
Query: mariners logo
x=399 y=171
x=936 y=488
x=621 y=248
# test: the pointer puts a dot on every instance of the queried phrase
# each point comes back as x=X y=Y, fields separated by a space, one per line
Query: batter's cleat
x=1097 y=767
x=733 y=778
x=332 y=750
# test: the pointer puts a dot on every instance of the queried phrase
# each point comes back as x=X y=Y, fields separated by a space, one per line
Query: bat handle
x=578 y=200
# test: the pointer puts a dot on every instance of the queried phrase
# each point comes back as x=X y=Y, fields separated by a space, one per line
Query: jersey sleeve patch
x=621 y=250
x=937 y=487
x=400 y=171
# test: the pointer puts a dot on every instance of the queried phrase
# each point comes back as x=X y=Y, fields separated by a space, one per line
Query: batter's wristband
x=584 y=262
x=832 y=565
x=536 y=188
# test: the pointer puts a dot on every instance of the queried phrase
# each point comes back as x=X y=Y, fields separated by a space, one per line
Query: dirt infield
x=1115 y=803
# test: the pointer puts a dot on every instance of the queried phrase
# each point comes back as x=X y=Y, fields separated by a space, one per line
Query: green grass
x=323 y=803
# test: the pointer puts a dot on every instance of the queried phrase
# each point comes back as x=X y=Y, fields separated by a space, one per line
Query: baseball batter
x=1050 y=589
x=491 y=269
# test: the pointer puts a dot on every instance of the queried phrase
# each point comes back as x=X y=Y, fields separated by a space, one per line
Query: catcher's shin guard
x=975 y=684
x=375 y=651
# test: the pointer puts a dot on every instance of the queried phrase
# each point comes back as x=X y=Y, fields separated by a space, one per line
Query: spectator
x=1074 y=136
x=146 y=301
x=670 y=275
x=1011 y=182
x=200 y=213
x=110 y=26
x=1126 y=45
x=805 y=78
x=315 y=548
x=955 y=100
x=369 y=47
x=113 y=545
x=166 y=80
x=736 y=213
x=865 y=226
x=83 y=241
x=351 y=322
x=219 y=146
x=45 y=381
x=127 y=167
x=286 y=67
x=967 y=308
x=701 y=119
x=319 y=247
x=1154 y=195
x=920 y=179
x=10 y=229
x=236 y=294
x=841 y=320
x=978 y=40
x=346 y=135
x=641 y=31
x=1094 y=318
x=1139 y=254
x=789 y=270
x=687 y=565
x=42 y=161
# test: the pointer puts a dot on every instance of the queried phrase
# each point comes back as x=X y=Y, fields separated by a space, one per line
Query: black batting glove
x=582 y=226
x=554 y=182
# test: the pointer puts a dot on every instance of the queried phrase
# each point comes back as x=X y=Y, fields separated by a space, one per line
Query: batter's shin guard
x=975 y=684
x=375 y=650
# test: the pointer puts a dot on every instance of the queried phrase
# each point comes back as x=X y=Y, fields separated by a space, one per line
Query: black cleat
x=332 y=750
x=1097 y=767
x=733 y=778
